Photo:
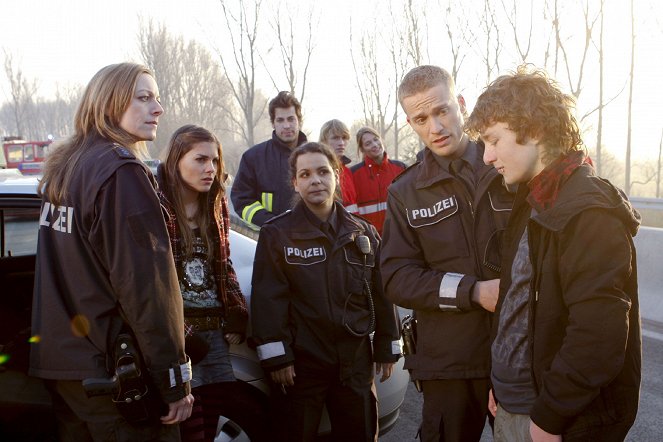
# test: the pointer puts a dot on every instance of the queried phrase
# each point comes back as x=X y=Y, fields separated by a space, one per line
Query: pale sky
x=66 y=41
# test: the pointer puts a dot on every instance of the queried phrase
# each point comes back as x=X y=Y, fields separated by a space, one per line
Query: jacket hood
x=584 y=191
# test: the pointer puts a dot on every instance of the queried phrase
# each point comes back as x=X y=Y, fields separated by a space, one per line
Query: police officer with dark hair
x=316 y=299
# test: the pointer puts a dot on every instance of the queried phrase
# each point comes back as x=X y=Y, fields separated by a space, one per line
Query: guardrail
x=651 y=210
x=649 y=249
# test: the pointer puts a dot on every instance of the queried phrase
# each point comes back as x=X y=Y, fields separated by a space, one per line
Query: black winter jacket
x=436 y=245
x=262 y=186
x=584 y=327
x=105 y=249
x=302 y=284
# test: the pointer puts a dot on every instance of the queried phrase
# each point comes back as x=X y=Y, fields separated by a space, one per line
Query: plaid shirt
x=235 y=313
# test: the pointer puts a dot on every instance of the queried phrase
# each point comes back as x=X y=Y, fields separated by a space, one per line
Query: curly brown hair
x=534 y=107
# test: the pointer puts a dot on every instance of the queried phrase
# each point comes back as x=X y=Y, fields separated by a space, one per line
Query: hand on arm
x=485 y=294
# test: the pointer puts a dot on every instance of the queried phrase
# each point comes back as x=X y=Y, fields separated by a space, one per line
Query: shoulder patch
x=279 y=216
x=123 y=152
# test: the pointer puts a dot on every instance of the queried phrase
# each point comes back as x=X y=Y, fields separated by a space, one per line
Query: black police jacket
x=437 y=243
x=306 y=289
x=104 y=249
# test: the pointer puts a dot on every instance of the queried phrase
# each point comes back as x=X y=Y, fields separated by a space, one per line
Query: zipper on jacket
x=534 y=289
x=468 y=199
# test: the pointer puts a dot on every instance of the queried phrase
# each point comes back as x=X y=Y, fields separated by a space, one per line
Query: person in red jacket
x=372 y=176
x=335 y=134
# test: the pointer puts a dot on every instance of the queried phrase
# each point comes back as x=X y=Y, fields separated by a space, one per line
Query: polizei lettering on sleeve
x=434 y=213
x=304 y=256
x=60 y=219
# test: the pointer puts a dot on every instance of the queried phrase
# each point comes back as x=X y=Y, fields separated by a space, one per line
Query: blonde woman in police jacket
x=316 y=297
x=104 y=263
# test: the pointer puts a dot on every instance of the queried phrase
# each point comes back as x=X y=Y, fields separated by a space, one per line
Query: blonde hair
x=331 y=128
x=422 y=78
x=360 y=134
x=104 y=102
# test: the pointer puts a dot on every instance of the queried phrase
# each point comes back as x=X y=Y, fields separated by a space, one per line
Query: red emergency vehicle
x=26 y=156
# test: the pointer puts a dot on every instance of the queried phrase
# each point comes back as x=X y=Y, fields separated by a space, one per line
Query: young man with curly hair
x=566 y=349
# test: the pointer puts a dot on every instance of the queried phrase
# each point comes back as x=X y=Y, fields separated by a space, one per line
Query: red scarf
x=544 y=188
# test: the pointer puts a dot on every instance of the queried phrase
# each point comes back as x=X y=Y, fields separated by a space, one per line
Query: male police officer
x=262 y=187
x=441 y=257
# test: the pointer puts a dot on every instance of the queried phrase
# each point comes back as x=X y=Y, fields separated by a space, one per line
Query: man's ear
x=461 y=104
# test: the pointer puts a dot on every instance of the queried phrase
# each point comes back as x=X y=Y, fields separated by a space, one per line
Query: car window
x=15 y=154
x=29 y=152
x=19 y=231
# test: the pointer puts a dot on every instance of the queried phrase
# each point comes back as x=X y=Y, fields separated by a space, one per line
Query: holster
x=135 y=395
x=409 y=333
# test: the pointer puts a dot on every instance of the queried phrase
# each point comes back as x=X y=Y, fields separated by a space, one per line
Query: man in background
x=262 y=188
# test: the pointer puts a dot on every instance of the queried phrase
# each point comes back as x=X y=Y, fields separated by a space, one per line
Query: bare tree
x=22 y=94
x=553 y=13
x=575 y=83
x=627 y=165
x=492 y=45
x=295 y=60
x=460 y=34
x=416 y=31
x=599 y=129
x=371 y=78
x=408 y=48
x=512 y=17
x=241 y=64
x=379 y=67
x=191 y=83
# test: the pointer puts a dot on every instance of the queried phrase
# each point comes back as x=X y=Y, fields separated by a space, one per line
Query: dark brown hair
x=181 y=142
x=313 y=147
x=285 y=100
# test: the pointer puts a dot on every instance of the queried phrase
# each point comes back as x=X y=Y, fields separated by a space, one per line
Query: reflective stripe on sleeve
x=373 y=208
x=270 y=350
x=184 y=371
x=250 y=210
x=449 y=289
x=267 y=201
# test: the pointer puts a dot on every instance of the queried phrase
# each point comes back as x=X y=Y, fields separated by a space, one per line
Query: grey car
x=25 y=407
